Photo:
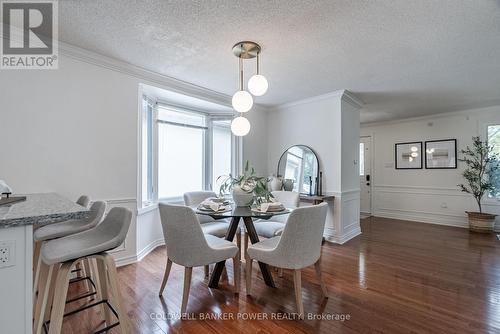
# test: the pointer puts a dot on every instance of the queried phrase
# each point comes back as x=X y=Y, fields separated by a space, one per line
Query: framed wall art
x=408 y=155
x=441 y=154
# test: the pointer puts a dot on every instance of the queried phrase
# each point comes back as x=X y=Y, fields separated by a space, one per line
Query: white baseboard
x=123 y=261
x=342 y=239
x=420 y=218
x=446 y=220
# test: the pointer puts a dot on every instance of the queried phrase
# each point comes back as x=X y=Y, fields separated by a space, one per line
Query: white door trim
x=372 y=151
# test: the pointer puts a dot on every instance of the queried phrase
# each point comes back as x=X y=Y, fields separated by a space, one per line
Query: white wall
x=71 y=131
x=309 y=124
x=425 y=195
x=255 y=143
x=74 y=131
x=329 y=124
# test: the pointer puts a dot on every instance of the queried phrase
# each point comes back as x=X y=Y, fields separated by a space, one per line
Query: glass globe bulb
x=242 y=101
x=240 y=126
x=257 y=85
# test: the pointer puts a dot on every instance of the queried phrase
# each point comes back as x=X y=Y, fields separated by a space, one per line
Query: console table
x=316 y=199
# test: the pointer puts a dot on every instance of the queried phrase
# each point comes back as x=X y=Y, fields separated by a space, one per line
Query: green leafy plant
x=481 y=172
x=248 y=182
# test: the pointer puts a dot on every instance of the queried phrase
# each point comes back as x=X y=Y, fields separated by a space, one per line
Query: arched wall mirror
x=300 y=164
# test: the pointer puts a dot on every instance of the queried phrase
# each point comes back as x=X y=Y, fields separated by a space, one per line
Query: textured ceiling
x=402 y=58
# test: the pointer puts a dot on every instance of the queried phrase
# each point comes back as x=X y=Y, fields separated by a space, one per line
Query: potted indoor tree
x=482 y=165
x=246 y=188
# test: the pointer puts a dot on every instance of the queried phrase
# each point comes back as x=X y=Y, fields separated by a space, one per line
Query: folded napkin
x=270 y=205
x=214 y=206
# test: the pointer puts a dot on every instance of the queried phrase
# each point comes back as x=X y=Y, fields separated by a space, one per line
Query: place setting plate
x=222 y=209
x=271 y=209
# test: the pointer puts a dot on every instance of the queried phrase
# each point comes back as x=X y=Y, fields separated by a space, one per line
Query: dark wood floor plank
x=397 y=277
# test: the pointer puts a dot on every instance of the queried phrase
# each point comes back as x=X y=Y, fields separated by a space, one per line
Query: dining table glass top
x=241 y=211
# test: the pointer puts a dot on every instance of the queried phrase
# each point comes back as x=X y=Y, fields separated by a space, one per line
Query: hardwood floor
x=397 y=277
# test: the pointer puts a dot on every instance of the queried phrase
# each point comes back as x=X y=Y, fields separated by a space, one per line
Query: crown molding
x=352 y=99
x=164 y=81
x=456 y=113
x=343 y=94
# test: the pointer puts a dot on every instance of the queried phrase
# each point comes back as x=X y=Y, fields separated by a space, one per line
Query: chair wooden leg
x=117 y=297
x=88 y=273
x=297 y=283
x=248 y=274
x=50 y=299
x=324 y=290
x=236 y=272
x=61 y=290
x=238 y=242
x=93 y=264
x=207 y=271
x=187 y=285
x=79 y=267
x=167 y=272
x=43 y=292
x=103 y=289
x=245 y=245
x=224 y=274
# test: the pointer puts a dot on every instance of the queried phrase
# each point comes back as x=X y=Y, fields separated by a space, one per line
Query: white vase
x=275 y=183
x=241 y=197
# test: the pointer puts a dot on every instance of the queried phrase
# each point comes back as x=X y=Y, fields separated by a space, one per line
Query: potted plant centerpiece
x=482 y=166
x=246 y=188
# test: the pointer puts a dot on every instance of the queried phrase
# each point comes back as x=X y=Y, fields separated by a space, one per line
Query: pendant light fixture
x=242 y=100
x=257 y=85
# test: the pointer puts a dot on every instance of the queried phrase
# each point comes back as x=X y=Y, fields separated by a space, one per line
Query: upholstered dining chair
x=188 y=246
x=274 y=227
x=298 y=247
x=209 y=225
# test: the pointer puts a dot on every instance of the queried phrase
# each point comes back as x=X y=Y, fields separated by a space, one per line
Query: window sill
x=147 y=208
x=151 y=206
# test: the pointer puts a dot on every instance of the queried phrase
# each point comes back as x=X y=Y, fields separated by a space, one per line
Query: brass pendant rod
x=258 y=63
x=241 y=74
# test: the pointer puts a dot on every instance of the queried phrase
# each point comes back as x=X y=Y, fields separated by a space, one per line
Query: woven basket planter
x=481 y=222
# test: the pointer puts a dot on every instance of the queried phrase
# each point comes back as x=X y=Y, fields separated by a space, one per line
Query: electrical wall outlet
x=7 y=253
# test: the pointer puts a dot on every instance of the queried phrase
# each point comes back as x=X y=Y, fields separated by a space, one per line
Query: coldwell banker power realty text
x=29 y=34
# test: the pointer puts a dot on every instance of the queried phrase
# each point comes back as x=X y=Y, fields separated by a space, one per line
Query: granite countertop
x=40 y=209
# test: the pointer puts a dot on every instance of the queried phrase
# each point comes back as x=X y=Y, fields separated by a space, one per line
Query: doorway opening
x=365 y=175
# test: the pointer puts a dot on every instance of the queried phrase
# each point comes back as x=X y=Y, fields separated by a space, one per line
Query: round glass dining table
x=236 y=214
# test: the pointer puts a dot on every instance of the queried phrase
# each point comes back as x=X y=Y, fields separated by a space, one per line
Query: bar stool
x=59 y=255
x=63 y=229
x=84 y=201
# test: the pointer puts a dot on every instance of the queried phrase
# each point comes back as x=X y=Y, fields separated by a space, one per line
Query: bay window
x=189 y=151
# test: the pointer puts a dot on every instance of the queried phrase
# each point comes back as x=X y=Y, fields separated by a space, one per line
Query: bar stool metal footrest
x=83 y=308
x=86 y=294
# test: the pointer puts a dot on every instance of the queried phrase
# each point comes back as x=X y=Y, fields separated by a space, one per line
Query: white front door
x=365 y=146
